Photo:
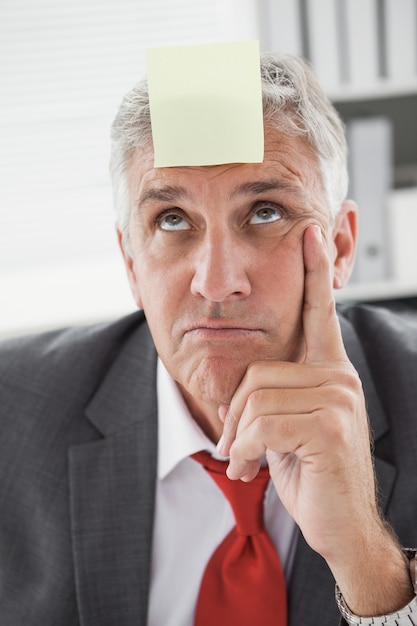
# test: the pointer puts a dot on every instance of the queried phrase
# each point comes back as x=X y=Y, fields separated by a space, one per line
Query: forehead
x=289 y=161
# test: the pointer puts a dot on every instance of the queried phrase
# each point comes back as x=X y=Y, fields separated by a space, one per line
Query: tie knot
x=246 y=499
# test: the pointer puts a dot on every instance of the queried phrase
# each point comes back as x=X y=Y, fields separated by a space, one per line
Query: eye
x=265 y=215
x=173 y=221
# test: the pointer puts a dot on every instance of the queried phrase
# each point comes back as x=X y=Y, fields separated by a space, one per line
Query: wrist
x=407 y=613
x=374 y=575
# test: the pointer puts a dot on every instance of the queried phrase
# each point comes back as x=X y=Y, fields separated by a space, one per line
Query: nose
x=220 y=269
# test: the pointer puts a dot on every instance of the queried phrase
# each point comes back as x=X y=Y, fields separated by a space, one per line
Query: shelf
x=384 y=88
x=383 y=290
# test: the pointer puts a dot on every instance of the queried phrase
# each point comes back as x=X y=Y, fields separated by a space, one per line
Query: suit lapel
x=379 y=424
x=311 y=590
x=112 y=484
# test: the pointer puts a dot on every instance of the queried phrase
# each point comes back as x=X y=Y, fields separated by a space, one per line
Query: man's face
x=217 y=262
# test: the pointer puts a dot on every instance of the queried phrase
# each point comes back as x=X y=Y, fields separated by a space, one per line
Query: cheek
x=163 y=286
x=283 y=293
x=282 y=270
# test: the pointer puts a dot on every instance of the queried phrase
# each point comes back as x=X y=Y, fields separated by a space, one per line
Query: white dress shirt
x=192 y=515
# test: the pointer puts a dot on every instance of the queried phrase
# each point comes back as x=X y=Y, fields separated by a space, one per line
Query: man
x=105 y=518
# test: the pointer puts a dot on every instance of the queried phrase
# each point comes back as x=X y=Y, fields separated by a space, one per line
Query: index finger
x=322 y=332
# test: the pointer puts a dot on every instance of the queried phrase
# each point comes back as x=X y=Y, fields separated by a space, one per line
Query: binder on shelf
x=280 y=26
x=323 y=39
x=361 y=42
x=370 y=141
x=401 y=39
x=402 y=222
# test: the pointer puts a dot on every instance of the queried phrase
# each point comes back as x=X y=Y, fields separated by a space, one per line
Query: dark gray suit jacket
x=78 y=442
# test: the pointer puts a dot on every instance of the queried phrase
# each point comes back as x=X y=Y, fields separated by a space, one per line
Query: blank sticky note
x=206 y=104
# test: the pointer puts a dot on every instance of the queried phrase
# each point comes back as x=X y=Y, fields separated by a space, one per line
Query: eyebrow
x=168 y=193
x=261 y=186
x=173 y=193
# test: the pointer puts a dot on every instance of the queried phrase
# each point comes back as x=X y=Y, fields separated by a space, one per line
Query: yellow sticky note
x=206 y=104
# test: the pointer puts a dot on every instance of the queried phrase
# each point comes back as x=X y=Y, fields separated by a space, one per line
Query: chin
x=215 y=380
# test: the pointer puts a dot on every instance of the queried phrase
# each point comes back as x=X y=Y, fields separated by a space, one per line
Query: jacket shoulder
x=71 y=354
x=389 y=343
x=382 y=330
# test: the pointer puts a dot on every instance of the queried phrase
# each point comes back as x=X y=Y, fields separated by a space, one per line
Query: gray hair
x=293 y=102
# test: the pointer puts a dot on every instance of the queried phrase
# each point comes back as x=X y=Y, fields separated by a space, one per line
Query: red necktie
x=243 y=583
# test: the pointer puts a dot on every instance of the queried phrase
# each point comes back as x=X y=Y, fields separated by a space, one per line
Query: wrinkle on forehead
x=290 y=164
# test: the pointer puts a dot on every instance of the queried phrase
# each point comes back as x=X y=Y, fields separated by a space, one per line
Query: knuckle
x=345 y=399
x=344 y=386
x=262 y=426
x=256 y=400
x=254 y=370
x=231 y=420
x=338 y=417
x=351 y=379
x=251 y=369
x=334 y=429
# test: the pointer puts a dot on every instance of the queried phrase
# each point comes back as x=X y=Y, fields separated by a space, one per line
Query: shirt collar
x=179 y=435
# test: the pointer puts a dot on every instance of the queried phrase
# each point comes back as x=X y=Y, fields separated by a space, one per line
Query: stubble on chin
x=214 y=380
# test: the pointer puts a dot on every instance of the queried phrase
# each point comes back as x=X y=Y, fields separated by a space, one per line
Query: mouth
x=221 y=330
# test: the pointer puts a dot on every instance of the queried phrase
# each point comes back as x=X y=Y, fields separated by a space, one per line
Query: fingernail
x=222 y=412
x=220 y=445
x=319 y=235
x=238 y=474
x=232 y=474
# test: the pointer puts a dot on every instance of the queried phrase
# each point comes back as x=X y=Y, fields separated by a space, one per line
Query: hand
x=310 y=420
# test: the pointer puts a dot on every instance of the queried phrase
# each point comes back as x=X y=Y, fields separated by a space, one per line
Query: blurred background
x=64 y=68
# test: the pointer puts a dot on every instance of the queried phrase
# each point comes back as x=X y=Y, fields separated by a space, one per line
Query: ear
x=130 y=269
x=344 y=240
